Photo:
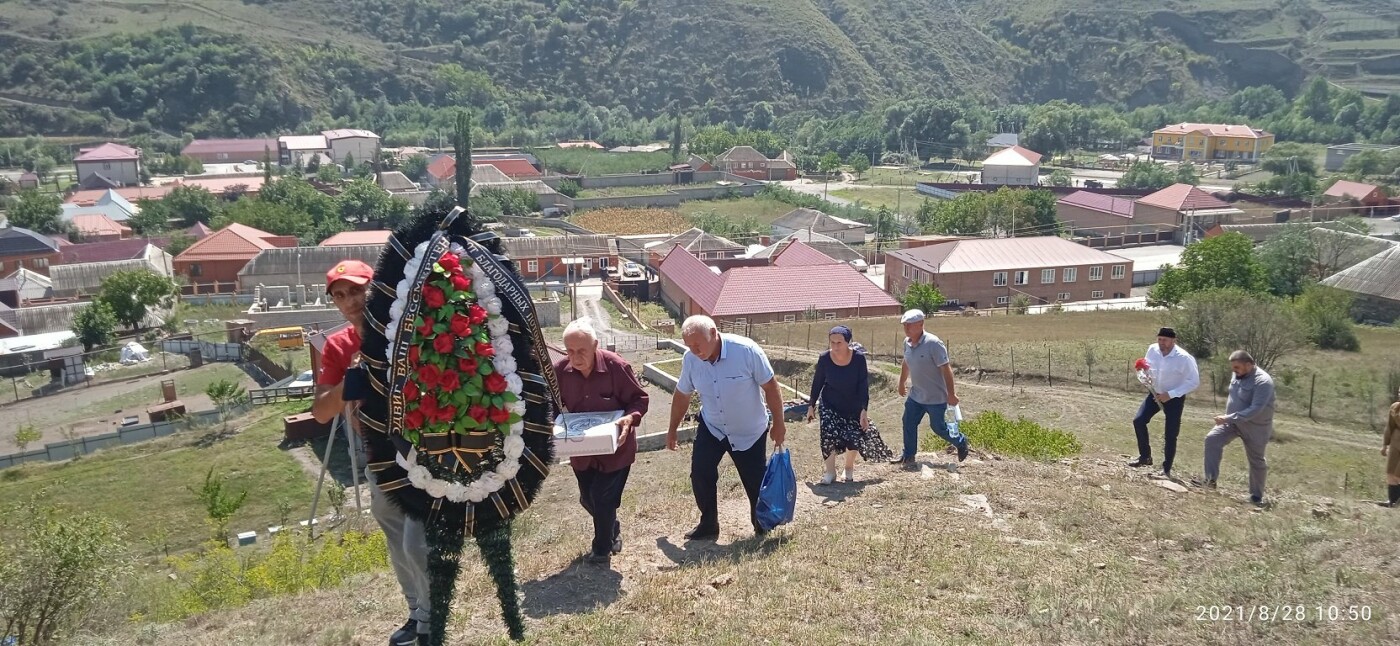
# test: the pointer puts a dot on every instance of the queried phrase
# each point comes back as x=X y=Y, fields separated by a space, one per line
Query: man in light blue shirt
x=926 y=366
x=737 y=396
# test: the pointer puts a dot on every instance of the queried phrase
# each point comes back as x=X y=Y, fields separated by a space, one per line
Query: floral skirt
x=841 y=434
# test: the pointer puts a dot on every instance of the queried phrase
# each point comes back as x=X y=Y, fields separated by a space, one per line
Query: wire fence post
x=1312 y=390
x=1013 y=366
x=978 y=350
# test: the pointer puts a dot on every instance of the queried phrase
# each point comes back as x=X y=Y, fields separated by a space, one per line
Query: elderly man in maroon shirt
x=596 y=380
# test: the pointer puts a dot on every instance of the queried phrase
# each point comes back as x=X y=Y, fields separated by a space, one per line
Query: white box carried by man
x=579 y=434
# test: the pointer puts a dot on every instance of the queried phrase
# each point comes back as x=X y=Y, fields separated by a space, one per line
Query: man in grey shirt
x=927 y=380
x=1249 y=415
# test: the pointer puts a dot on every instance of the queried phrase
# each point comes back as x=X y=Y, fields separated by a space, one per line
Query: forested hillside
x=244 y=67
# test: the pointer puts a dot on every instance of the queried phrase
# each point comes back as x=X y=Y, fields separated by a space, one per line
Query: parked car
x=1395 y=218
x=632 y=270
x=860 y=265
x=303 y=380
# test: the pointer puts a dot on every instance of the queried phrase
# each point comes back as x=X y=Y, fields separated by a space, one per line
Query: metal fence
x=80 y=446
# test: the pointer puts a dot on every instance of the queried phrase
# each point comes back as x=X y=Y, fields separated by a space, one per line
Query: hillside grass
x=146 y=487
x=997 y=551
x=905 y=201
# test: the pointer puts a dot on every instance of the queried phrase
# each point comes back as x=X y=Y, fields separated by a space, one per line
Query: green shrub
x=1325 y=313
x=218 y=577
x=994 y=432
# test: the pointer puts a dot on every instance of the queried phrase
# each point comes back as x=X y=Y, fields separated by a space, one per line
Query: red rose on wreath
x=495 y=383
x=477 y=412
x=461 y=325
x=450 y=381
x=410 y=390
x=429 y=405
x=413 y=355
x=450 y=263
x=461 y=283
x=426 y=329
x=414 y=420
x=500 y=415
x=429 y=374
x=477 y=314
x=484 y=349
x=433 y=296
x=467 y=365
x=447 y=413
x=443 y=344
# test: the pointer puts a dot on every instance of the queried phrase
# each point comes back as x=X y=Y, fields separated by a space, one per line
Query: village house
x=1210 y=142
x=800 y=283
x=847 y=231
x=85 y=279
x=827 y=245
x=1192 y=209
x=358 y=145
x=291 y=266
x=1337 y=155
x=97 y=227
x=1366 y=197
x=28 y=181
x=378 y=237
x=986 y=273
x=212 y=264
x=557 y=257
x=1375 y=286
x=746 y=161
x=697 y=243
x=109 y=203
x=108 y=166
x=230 y=151
x=24 y=249
x=29 y=285
x=226 y=187
x=299 y=150
x=1012 y=166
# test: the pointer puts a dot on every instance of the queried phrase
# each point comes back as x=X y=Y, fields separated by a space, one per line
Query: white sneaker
x=827 y=479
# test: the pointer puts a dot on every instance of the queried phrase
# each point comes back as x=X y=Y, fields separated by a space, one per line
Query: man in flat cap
x=1174 y=376
x=927 y=381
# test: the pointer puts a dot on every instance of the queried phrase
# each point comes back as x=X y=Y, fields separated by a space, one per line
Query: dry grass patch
x=621 y=222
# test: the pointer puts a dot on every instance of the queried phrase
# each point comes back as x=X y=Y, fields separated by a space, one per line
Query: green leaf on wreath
x=514 y=417
x=486 y=368
x=509 y=397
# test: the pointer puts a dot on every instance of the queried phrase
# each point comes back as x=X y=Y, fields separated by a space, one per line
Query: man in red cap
x=348 y=284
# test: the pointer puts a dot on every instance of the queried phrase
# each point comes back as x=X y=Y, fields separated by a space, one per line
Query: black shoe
x=759 y=531
x=703 y=533
x=1203 y=483
x=595 y=558
x=962 y=452
x=406 y=635
x=902 y=461
x=1257 y=501
x=1141 y=462
x=617 y=538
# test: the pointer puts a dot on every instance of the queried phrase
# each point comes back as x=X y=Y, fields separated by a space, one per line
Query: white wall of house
x=126 y=173
x=363 y=148
x=1011 y=175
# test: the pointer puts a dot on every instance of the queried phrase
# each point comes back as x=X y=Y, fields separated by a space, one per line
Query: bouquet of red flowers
x=452 y=361
x=1144 y=374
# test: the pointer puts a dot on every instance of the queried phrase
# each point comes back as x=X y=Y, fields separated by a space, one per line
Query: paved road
x=590 y=296
x=820 y=188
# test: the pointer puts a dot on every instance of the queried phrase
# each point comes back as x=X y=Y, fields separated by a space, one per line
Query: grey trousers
x=408 y=552
x=1254 y=443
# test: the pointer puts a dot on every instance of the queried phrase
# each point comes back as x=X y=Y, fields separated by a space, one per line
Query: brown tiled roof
x=1347 y=188
x=356 y=238
x=741 y=154
x=797 y=254
x=1013 y=156
x=1212 y=129
x=97 y=224
x=234 y=242
x=1183 y=197
x=112 y=250
x=236 y=149
x=696 y=240
x=442 y=167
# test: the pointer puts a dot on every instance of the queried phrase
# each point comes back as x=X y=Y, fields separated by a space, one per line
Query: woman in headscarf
x=1391 y=449
x=840 y=394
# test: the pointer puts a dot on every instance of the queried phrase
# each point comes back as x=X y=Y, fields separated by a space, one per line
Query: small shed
x=66 y=365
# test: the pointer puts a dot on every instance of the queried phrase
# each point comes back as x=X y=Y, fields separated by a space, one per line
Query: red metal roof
x=215 y=185
x=797 y=254
x=234 y=242
x=1348 y=188
x=443 y=167
x=1183 y=197
x=692 y=277
x=515 y=168
x=98 y=224
x=1001 y=254
x=236 y=149
x=107 y=152
x=1212 y=129
x=762 y=290
x=1013 y=156
x=1109 y=204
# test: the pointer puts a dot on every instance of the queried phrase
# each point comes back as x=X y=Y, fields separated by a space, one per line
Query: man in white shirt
x=1174 y=376
x=738 y=395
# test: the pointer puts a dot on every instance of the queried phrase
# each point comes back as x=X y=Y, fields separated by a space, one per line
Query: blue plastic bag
x=777 y=497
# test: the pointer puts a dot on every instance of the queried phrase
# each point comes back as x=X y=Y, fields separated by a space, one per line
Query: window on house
x=741 y=321
x=1096 y=294
x=830 y=316
x=907 y=271
x=1001 y=300
x=925 y=277
x=1023 y=277
x=587 y=264
x=1118 y=271
x=999 y=279
x=106 y=166
x=532 y=266
x=1071 y=274
x=1096 y=272
x=196 y=270
x=1047 y=276
x=789 y=318
x=1063 y=296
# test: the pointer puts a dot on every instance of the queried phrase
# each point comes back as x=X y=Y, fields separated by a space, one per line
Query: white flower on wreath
x=503 y=363
x=498 y=325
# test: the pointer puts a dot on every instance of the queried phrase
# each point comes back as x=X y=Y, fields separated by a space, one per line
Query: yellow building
x=1210 y=142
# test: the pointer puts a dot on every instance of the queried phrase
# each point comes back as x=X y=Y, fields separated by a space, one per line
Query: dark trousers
x=704 y=472
x=1172 y=409
x=600 y=494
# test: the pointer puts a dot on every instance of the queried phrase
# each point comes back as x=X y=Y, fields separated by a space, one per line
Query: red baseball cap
x=352 y=270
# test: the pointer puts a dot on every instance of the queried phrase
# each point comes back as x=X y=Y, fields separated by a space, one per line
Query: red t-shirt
x=335 y=357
